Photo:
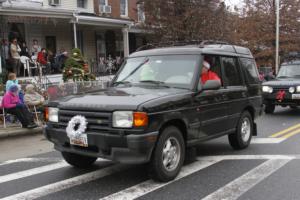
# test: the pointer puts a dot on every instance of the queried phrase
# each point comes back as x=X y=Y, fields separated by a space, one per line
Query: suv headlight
x=292 y=89
x=123 y=119
x=53 y=114
x=267 y=89
x=129 y=119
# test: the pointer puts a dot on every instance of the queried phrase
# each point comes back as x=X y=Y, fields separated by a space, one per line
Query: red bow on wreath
x=280 y=95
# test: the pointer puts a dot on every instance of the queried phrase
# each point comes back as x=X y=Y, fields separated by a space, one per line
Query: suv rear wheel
x=168 y=155
x=243 y=135
x=270 y=108
x=78 y=160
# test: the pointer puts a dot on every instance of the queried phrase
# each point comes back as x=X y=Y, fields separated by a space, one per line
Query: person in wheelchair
x=13 y=105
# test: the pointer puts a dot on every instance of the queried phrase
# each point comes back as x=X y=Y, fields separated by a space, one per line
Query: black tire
x=157 y=170
x=241 y=140
x=270 y=108
x=78 y=161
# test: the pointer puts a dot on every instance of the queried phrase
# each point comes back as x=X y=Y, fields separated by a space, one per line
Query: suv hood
x=283 y=82
x=111 y=99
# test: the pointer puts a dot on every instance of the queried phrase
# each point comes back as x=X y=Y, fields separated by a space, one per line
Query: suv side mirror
x=212 y=85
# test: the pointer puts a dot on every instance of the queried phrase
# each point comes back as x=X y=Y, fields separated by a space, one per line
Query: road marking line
x=34 y=171
x=267 y=140
x=290 y=134
x=239 y=186
x=285 y=131
x=30 y=160
x=65 y=184
x=150 y=185
x=251 y=157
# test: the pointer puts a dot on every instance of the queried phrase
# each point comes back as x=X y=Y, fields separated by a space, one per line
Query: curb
x=19 y=132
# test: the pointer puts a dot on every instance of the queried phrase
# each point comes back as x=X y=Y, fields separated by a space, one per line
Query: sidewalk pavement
x=17 y=131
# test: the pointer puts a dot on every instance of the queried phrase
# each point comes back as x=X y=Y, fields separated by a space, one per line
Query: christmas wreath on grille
x=76 y=126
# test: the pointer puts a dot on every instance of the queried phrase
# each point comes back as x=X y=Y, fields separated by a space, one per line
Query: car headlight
x=53 y=114
x=267 y=89
x=298 y=88
x=123 y=119
x=129 y=119
x=292 y=89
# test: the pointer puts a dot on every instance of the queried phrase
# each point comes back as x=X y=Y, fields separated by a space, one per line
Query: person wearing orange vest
x=207 y=74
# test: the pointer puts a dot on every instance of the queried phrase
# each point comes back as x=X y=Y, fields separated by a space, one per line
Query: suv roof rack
x=199 y=43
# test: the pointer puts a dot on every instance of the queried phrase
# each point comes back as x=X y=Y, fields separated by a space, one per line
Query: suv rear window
x=231 y=71
x=250 y=69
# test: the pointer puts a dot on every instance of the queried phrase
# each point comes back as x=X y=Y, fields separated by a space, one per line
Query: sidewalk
x=16 y=131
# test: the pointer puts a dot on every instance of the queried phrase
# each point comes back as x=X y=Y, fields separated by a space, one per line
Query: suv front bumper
x=288 y=100
x=129 y=149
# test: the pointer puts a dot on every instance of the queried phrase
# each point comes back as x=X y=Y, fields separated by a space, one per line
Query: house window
x=81 y=3
x=103 y=2
x=124 y=8
x=141 y=13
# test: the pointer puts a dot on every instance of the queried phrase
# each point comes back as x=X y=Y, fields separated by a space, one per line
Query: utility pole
x=277 y=2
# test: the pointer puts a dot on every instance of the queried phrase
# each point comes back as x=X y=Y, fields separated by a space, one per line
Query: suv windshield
x=289 y=71
x=167 y=70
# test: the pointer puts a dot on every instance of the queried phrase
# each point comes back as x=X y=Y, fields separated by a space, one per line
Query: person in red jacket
x=207 y=74
x=41 y=58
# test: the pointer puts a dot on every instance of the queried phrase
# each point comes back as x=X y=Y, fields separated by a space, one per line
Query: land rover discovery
x=156 y=107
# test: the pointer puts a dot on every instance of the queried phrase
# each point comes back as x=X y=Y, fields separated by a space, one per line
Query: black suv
x=156 y=107
x=285 y=89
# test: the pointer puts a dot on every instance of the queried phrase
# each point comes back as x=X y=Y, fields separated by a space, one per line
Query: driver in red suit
x=207 y=74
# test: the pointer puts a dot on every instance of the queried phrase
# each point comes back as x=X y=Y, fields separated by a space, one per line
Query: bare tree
x=178 y=20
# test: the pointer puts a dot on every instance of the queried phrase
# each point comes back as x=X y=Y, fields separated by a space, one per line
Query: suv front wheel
x=243 y=135
x=168 y=155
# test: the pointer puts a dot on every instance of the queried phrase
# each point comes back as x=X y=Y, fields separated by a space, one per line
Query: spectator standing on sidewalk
x=12 y=105
x=15 y=55
x=36 y=48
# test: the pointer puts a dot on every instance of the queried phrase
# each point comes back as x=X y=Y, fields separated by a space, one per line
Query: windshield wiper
x=122 y=82
x=159 y=83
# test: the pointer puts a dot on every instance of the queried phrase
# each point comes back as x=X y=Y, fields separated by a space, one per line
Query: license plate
x=79 y=140
x=295 y=96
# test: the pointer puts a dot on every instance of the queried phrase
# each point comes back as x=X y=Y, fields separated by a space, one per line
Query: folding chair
x=36 y=113
x=2 y=114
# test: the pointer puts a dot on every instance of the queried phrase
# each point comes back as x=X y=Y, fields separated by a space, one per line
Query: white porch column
x=75 y=34
x=126 y=41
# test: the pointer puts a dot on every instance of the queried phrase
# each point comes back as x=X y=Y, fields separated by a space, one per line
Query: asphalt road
x=268 y=169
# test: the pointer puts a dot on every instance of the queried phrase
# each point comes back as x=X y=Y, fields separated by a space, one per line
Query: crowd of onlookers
x=15 y=54
x=18 y=101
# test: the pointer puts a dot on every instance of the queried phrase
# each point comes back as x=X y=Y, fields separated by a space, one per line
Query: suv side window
x=250 y=69
x=232 y=74
x=215 y=64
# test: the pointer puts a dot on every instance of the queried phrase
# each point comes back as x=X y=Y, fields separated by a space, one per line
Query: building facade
x=102 y=29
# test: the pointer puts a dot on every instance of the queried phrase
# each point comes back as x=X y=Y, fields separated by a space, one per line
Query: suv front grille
x=97 y=121
x=281 y=88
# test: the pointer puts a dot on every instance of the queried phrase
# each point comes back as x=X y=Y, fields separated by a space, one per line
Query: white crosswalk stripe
x=149 y=186
x=32 y=172
x=230 y=191
x=20 y=160
x=239 y=186
x=65 y=184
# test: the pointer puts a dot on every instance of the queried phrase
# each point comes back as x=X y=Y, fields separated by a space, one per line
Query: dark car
x=285 y=89
x=157 y=107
